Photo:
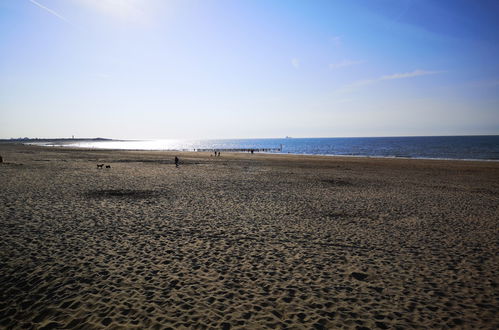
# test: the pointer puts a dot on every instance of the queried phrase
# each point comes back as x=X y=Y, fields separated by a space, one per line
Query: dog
x=100 y=165
x=108 y=166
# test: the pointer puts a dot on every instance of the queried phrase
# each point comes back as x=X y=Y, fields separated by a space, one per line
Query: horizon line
x=239 y=138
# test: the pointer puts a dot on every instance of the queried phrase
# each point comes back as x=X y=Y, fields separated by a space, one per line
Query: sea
x=479 y=147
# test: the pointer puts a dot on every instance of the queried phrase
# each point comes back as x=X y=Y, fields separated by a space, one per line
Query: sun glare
x=123 y=9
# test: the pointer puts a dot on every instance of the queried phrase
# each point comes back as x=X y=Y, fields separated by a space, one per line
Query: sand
x=245 y=241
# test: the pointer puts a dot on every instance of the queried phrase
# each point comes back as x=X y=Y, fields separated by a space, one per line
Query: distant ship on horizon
x=288 y=137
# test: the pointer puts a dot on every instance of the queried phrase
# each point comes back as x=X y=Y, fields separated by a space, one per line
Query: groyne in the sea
x=251 y=150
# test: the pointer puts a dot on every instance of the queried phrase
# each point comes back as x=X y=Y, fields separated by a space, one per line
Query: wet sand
x=245 y=241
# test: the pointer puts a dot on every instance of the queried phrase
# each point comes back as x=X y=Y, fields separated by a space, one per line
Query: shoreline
x=271 y=153
x=472 y=147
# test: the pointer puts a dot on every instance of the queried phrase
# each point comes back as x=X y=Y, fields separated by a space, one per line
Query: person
x=176 y=161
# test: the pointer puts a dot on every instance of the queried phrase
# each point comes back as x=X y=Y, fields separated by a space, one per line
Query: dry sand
x=245 y=241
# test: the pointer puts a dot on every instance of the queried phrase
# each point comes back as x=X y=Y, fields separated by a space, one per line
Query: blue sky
x=248 y=68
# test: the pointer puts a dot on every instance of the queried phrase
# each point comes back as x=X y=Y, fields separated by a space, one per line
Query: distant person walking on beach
x=176 y=161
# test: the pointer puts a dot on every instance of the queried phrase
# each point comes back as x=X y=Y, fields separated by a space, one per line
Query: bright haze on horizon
x=144 y=69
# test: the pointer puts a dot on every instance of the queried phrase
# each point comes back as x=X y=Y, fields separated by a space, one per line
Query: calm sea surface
x=442 y=147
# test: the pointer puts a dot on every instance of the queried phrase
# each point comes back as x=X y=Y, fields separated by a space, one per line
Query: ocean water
x=433 y=147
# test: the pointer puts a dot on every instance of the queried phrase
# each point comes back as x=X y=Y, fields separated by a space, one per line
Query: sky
x=203 y=69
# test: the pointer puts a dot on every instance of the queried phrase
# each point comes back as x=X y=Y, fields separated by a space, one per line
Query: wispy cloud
x=344 y=64
x=51 y=11
x=415 y=73
x=295 y=63
x=360 y=83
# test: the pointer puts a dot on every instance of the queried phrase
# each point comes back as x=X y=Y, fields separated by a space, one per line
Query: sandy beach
x=245 y=241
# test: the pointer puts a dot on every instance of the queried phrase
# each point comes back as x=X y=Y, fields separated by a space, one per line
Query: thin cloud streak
x=53 y=12
x=416 y=73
